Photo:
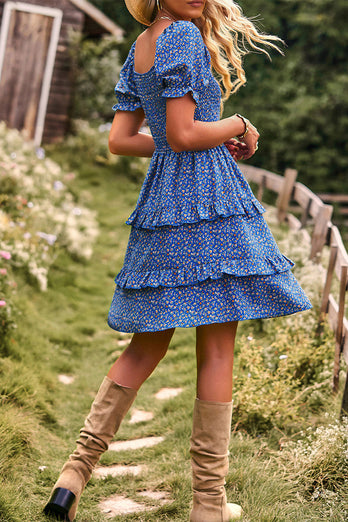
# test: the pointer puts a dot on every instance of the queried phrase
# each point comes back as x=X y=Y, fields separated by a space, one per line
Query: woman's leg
x=214 y=350
x=212 y=424
x=140 y=358
x=114 y=398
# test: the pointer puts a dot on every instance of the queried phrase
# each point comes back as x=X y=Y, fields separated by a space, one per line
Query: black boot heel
x=60 y=503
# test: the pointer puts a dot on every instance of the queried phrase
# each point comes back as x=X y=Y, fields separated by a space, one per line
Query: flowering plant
x=7 y=287
x=38 y=214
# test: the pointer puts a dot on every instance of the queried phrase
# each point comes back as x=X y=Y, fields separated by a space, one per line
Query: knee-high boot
x=107 y=412
x=209 y=458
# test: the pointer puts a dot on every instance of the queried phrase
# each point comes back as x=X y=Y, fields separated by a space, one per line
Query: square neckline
x=156 y=41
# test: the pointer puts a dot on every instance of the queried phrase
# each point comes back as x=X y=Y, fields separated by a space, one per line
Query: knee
x=152 y=346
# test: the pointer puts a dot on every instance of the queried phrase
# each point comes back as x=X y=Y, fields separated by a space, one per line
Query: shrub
x=92 y=143
x=96 y=69
x=289 y=378
x=38 y=213
x=7 y=287
x=318 y=462
x=278 y=385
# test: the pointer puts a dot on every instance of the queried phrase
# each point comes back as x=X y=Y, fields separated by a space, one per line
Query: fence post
x=327 y=285
x=284 y=197
x=320 y=231
x=339 y=330
x=344 y=407
x=262 y=186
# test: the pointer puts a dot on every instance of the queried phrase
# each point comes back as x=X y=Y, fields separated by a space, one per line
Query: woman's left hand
x=236 y=148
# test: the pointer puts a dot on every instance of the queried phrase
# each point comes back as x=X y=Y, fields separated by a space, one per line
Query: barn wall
x=56 y=122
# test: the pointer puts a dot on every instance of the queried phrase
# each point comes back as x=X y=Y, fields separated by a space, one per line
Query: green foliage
x=118 y=12
x=7 y=289
x=38 y=216
x=96 y=69
x=279 y=384
x=92 y=143
x=299 y=102
x=16 y=437
x=318 y=461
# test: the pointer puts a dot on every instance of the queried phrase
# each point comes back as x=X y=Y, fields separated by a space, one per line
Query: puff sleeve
x=125 y=90
x=182 y=61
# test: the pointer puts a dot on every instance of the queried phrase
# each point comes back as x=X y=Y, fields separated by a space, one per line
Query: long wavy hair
x=229 y=36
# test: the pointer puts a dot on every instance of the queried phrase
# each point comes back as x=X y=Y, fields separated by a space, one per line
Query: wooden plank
x=322 y=220
x=345 y=340
x=303 y=195
x=344 y=407
x=339 y=328
x=332 y=312
x=53 y=118
x=293 y=222
x=285 y=193
x=306 y=213
x=328 y=281
x=99 y=17
x=24 y=66
x=342 y=256
x=261 y=189
x=272 y=181
x=334 y=198
x=341 y=302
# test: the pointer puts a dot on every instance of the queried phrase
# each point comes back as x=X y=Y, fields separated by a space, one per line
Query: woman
x=200 y=253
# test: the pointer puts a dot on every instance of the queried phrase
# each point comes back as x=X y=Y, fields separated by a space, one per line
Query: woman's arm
x=125 y=138
x=186 y=133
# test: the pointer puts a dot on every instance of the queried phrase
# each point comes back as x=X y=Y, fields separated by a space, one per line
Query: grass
x=64 y=331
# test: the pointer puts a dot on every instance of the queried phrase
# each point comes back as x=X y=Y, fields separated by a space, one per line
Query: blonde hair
x=229 y=36
x=227 y=33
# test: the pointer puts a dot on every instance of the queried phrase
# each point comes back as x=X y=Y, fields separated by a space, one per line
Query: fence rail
x=313 y=209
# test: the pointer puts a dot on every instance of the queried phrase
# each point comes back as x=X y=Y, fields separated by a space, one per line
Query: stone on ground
x=167 y=393
x=116 y=471
x=123 y=342
x=120 y=505
x=140 y=416
x=124 y=445
x=156 y=495
x=66 y=379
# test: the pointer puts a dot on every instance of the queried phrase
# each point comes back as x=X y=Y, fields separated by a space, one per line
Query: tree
x=299 y=101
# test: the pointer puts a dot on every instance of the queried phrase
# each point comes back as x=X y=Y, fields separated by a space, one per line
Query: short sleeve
x=182 y=61
x=125 y=90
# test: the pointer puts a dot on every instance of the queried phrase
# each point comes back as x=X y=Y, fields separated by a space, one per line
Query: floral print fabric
x=199 y=250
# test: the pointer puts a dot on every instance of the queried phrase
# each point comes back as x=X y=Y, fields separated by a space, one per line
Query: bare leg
x=212 y=424
x=113 y=400
x=140 y=358
x=214 y=351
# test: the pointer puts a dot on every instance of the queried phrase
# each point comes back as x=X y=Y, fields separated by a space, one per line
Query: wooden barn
x=35 y=64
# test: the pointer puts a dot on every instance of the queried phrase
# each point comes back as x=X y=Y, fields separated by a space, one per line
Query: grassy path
x=64 y=331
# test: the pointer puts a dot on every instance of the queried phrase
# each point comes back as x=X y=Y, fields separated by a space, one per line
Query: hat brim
x=137 y=12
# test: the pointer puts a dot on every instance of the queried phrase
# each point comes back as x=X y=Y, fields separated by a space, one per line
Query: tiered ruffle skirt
x=200 y=260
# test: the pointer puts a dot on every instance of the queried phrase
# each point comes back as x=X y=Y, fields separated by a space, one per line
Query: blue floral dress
x=199 y=250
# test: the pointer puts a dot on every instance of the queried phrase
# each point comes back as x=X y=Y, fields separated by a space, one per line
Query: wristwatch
x=246 y=123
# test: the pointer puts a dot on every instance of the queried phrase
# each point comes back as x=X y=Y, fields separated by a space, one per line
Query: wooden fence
x=312 y=210
x=340 y=203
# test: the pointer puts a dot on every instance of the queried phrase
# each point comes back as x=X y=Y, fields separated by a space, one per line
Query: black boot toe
x=60 y=503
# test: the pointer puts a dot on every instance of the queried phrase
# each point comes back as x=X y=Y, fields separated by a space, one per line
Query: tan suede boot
x=209 y=458
x=107 y=412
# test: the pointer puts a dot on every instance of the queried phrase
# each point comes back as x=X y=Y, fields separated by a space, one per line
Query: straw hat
x=142 y=10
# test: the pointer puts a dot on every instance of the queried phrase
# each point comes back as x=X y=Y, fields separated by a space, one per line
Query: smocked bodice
x=182 y=187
